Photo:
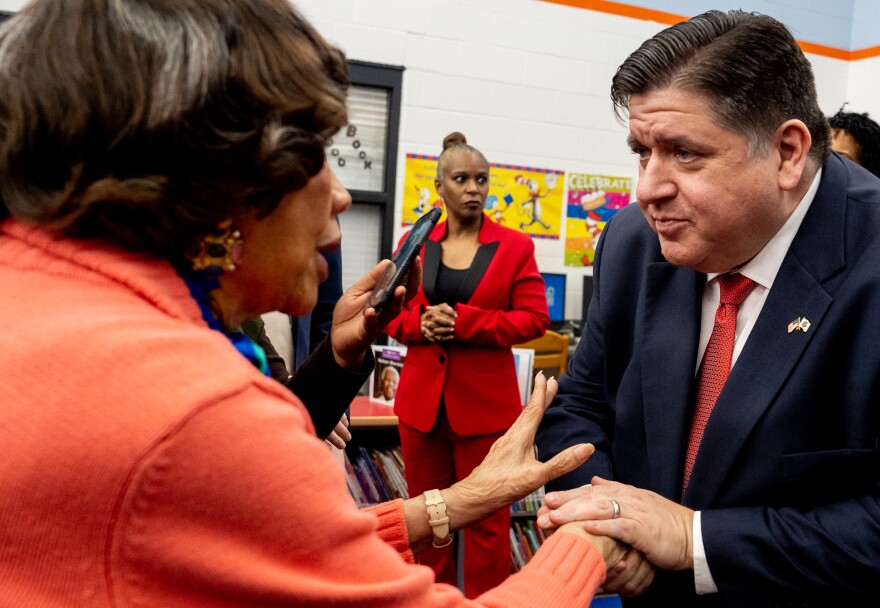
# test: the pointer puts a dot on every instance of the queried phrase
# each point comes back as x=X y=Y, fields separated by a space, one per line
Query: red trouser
x=437 y=460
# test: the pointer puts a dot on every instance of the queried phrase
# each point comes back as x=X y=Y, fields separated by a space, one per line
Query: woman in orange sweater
x=164 y=179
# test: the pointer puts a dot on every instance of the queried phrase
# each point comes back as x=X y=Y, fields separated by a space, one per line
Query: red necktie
x=716 y=360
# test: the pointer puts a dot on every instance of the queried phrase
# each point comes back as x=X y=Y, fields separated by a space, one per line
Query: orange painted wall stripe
x=649 y=14
x=873 y=51
x=624 y=10
x=825 y=51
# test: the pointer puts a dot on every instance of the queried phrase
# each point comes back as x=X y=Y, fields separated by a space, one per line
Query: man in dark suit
x=741 y=432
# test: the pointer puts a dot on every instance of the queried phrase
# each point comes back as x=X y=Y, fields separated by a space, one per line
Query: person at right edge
x=752 y=468
x=857 y=137
x=481 y=293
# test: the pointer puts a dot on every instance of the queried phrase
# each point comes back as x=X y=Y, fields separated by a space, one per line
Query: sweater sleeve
x=240 y=505
x=392 y=527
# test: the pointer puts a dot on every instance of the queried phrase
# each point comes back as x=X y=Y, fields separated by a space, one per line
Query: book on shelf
x=375 y=475
x=354 y=485
x=530 y=504
x=524 y=541
x=524 y=360
x=386 y=373
x=531 y=535
x=517 y=552
x=525 y=535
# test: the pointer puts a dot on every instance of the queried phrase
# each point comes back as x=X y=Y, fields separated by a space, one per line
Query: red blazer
x=503 y=303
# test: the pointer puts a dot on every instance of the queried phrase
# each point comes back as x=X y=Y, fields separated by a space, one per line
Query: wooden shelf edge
x=372 y=421
x=366 y=413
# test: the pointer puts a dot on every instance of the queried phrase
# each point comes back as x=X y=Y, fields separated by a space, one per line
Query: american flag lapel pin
x=799 y=324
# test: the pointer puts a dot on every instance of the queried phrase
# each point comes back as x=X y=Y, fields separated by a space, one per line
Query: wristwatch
x=437 y=518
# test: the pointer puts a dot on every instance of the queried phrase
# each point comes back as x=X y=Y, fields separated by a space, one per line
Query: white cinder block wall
x=527 y=81
x=863 y=87
x=863 y=84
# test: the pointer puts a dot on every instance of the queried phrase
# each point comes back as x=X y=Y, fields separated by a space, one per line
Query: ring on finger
x=616 y=506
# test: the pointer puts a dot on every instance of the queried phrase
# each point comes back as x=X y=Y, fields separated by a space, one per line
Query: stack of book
x=375 y=475
x=530 y=504
x=525 y=538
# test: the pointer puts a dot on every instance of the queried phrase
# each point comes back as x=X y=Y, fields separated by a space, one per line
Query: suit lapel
x=475 y=273
x=758 y=375
x=771 y=351
x=668 y=368
x=489 y=243
x=430 y=270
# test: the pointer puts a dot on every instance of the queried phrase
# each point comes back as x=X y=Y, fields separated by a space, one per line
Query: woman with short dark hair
x=164 y=180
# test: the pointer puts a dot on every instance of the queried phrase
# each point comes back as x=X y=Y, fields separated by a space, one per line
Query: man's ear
x=792 y=143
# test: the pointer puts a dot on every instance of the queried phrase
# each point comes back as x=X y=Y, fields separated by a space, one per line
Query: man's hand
x=660 y=529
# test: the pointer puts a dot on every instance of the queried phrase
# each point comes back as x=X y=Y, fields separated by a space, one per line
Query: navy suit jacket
x=787 y=472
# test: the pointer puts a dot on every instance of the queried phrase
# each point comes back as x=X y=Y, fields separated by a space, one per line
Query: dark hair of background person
x=173 y=138
x=749 y=66
x=865 y=132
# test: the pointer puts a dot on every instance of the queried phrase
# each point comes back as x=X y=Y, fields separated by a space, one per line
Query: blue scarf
x=200 y=283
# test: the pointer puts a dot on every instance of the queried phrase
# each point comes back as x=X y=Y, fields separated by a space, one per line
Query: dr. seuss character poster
x=523 y=198
x=526 y=199
x=419 y=194
x=592 y=200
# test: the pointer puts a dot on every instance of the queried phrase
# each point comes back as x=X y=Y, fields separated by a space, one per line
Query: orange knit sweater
x=146 y=463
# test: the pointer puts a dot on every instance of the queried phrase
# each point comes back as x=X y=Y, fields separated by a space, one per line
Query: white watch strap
x=437 y=518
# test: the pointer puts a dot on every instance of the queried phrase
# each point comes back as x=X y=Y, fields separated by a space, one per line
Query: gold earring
x=219 y=253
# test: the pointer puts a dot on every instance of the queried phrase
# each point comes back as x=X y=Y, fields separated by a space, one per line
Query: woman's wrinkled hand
x=511 y=470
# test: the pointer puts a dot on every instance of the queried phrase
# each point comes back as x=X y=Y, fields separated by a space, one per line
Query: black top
x=449 y=281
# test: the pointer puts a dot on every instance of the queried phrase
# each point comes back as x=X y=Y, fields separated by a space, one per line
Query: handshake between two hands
x=635 y=530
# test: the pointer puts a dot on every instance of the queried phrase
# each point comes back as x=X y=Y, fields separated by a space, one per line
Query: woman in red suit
x=481 y=293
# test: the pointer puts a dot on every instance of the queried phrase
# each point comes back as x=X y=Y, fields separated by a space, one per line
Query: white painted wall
x=863 y=87
x=526 y=81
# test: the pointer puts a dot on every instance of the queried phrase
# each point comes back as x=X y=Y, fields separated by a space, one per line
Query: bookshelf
x=374 y=429
x=374 y=472
x=369 y=414
x=373 y=463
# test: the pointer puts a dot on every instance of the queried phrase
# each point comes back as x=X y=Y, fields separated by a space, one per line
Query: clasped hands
x=438 y=323
x=658 y=532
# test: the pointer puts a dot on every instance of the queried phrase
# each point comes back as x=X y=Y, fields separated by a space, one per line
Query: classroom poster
x=526 y=199
x=523 y=198
x=419 y=194
x=592 y=200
